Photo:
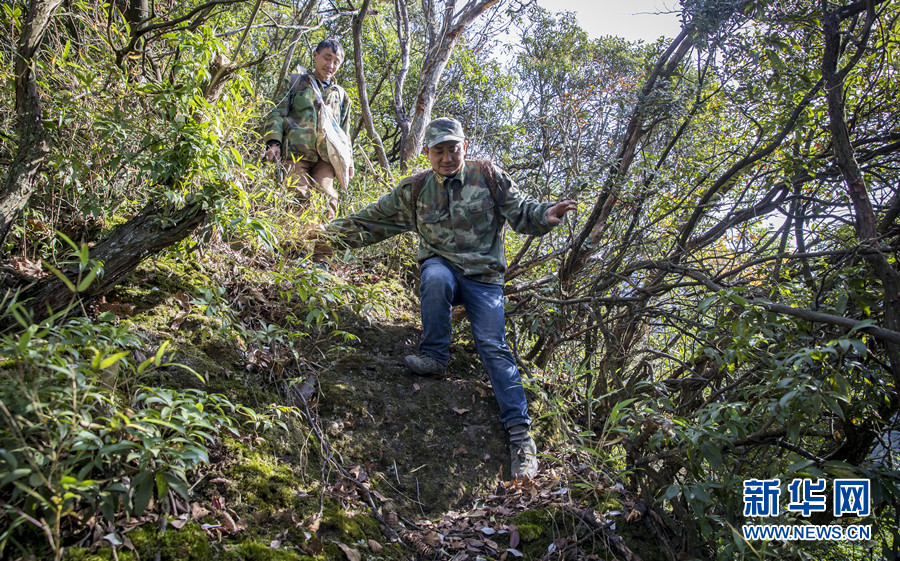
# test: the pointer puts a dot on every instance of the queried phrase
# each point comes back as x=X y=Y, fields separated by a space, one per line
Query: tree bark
x=439 y=51
x=151 y=231
x=33 y=147
x=400 y=115
x=361 y=86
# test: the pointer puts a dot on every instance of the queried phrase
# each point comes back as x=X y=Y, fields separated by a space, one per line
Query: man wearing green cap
x=458 y=208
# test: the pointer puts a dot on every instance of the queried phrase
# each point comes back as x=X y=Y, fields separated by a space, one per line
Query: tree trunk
x=32 y=144
x=440 y=49
x=400 y=115
x=143 y=236
x=361 y=86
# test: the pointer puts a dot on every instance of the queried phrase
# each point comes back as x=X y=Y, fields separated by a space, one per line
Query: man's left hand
x=556 y=212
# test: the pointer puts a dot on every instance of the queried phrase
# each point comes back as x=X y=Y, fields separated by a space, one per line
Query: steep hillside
x=343 y=454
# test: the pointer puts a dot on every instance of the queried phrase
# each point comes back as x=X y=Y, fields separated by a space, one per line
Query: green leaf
x=110 y=360
x=159 y=353
x=177 y=485
x=84 y=254
x=143 y=491
x=13 y=475
x=88 y=279
x=68 y=240
x=109 y=506
x=713 y=454
x=65 y=280
x=671 y=492
x=862 y=325
x=144 y=365
x=162 y=487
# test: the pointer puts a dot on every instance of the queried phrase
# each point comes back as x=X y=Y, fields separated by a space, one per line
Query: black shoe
x=424 y=365
x=523 y=459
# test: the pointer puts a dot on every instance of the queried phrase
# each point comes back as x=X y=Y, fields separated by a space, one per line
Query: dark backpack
x=487 y=170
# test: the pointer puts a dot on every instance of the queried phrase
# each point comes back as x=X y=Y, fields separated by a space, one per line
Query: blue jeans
x=442 y=287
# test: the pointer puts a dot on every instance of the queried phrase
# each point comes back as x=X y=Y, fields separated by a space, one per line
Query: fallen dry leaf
x=178 y=320
x=459 y=411
x=460 y=451
x=183 y=300
x=514 y=538
x=198 y=511
x=230 y=525
x=121 y=310
x=30 y=268
x=633 y=516
x=352 y=554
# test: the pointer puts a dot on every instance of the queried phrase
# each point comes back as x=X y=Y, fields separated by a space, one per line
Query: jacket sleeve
x=524 y=214
x=388 y=216
x=274 y=129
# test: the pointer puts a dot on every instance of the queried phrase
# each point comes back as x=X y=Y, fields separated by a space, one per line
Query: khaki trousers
x=314 y=175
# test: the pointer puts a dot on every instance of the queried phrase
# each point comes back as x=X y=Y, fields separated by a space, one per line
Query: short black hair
x=330 y=44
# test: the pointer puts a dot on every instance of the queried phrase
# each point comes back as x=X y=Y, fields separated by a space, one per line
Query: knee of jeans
x=436 y=276
x=493 y=345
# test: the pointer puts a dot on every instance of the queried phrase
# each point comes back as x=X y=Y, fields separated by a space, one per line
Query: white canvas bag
x=340 y=152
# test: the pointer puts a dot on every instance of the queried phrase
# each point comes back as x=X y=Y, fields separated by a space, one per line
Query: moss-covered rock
x=255 y=551
x=102 y=554
x=187 y=544
x=338 y=525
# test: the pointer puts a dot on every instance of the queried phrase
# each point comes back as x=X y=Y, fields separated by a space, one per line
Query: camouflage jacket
x=297 y=127
x=455 y=219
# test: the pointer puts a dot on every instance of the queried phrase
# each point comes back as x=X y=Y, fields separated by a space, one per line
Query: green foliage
x=71 y=444
x=648 y=348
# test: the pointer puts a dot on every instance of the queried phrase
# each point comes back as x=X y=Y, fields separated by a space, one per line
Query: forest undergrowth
x=243 y=405
x=177 y=381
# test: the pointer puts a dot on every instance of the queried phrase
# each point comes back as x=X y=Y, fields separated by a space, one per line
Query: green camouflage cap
x=443 y=129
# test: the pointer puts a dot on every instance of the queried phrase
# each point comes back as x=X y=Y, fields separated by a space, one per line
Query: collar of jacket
x=458 y=176
x=323 y=85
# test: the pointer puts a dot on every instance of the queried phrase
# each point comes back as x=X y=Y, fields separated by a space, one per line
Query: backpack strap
x=295 y=85
x=487 y=170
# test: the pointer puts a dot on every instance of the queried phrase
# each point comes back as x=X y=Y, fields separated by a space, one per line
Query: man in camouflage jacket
x=459 y=209
x=293 y=134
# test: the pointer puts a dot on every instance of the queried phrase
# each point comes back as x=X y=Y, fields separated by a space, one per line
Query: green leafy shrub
x=71 y=445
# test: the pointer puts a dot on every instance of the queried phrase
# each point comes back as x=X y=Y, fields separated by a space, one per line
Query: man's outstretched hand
x=556 y=212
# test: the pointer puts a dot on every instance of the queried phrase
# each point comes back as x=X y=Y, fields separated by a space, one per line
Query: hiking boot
x=424 y=365
x=523 y=459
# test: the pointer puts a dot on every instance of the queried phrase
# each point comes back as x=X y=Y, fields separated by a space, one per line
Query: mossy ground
x=430 y=445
